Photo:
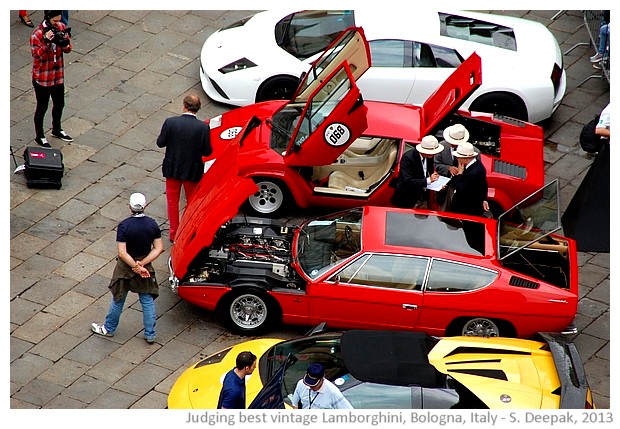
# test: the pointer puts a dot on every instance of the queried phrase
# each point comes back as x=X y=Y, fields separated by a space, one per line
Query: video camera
x=61 y=37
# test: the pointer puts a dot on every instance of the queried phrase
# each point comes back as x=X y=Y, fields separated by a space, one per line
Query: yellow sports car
x=398 y=369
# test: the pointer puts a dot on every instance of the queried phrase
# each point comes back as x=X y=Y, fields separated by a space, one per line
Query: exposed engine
x=248 y=250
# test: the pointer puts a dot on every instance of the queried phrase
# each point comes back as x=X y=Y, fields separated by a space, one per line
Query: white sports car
x=262 y=57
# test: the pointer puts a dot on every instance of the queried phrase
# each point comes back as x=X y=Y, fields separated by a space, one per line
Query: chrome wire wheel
x=248 y=312
x=268 y=199
x=480 y=327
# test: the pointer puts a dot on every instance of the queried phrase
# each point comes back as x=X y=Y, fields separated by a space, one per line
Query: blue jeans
x=603 y=35
x=148 y=314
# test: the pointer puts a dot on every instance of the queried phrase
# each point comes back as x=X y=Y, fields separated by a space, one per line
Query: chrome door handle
x=410 y=306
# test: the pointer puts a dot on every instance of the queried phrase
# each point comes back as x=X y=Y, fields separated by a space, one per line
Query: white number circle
x=230 y=133
x=337 y=134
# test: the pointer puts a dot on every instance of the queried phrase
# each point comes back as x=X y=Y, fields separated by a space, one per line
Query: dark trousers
x=43 y=94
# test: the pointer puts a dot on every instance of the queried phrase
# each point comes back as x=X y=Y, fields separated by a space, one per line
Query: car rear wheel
x=480 y=327
x=277 y=88
x=270 y=199
x=248 y=311
x=502 y=104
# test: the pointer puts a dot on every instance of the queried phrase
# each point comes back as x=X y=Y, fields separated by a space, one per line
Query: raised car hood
x=218 y=197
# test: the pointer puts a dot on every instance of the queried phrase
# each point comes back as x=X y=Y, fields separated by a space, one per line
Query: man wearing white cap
x=469 y=183
x=416 y=173
x=138 y=242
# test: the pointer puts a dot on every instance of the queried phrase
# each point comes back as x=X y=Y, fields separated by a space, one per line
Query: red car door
x=375 y=291
x=328 y=111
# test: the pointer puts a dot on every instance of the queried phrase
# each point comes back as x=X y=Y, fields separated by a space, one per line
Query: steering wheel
x=348 y=235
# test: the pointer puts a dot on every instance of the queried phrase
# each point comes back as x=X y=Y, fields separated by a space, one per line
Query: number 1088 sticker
x=337 y=134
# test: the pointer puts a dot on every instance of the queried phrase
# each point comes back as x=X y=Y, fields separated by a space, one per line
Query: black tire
x=271 y=199
x=501 y=103
x=248 y=311
x=277 y=88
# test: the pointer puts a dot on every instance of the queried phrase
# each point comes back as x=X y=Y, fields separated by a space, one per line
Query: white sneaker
x=596 y=58
x=100 y=330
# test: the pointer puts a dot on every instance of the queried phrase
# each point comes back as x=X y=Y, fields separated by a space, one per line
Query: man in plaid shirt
x=48 y=73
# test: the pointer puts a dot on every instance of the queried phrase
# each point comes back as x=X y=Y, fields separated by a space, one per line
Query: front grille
x=520 y=282
x=509 y=169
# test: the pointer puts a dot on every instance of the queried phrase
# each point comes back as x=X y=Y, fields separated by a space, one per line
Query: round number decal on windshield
x=337 y=134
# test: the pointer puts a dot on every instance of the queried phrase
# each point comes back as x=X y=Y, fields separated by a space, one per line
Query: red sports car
x=327 y=147
x=375 y=267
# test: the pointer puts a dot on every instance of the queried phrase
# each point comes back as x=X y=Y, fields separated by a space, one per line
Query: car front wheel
x=480 y=327
x=248 y=311
x=277 y=88
x=270 y=199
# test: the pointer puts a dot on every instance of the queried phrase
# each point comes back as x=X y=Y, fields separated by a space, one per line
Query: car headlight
x=241 y=64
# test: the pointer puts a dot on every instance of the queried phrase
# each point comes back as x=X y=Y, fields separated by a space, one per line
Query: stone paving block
x=166 y=384
x=85 y=94
x=18 y=348
x=142 y=379
x=600 y=327
x=588 y=346
x=64 y=402
x=170 y=324
x=18 y=225
x=118 y=123
x=104 y=247
x=144 y=106
x=28 y=367
x=131 y=61
x=37 y=267
x=157 y=21
x=601 y=260
x=25 y=245
x=17 y=404
x=22 y=310
x=92 y=350
x=89 y=16
x=169 y=63
x=601 y=292
x=14 y=262
x=592 y=275
x=139 y=139
x=69 y=304
x=74 y=211
x=94 y=227
x=189 y=24
x=38 y=392
x=95 y=286
x=147 y=80
x=86 y=389
x=129 y=39
x=64 y=372
x=110 y=26
x=48 y=289
x=19 y=193
x=19 y=283
x=56 y=345
x=65 y=247
x=173 y=86
x=50 y=228
x=81 y=266
x=57 y=197
x=173 y=354
x=167 y=41
x=88 y=41
x=113 y=155
x=79 y=73
x=135 y=350
x=38 y=327
x=152 y=401
x=102 y=110
x=114 y=399
x=110 y=369
x=568 y=165
x=75 y=153
x=591 y=308
x=102 y=193
x=201 y=333
x=33 y=210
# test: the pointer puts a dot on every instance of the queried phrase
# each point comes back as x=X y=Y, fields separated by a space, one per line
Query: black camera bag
x=43 y=167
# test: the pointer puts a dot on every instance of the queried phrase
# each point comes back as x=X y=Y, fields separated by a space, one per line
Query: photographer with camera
x=48 y=42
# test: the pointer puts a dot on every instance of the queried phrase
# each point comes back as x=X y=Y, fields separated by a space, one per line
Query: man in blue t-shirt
x=232 y=395
x=138 y=242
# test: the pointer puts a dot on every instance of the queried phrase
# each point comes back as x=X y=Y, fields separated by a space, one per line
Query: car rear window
x=434 y=232
x=478 y=31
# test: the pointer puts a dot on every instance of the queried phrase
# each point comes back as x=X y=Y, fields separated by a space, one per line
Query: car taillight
x=556 y=75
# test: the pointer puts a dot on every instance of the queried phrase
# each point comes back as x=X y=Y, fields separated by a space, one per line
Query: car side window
x=445 y=57
x=391 y=53
x=388 y=271
x=379 y=396
x=446 y=276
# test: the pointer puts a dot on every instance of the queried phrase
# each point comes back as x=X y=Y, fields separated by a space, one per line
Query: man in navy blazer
x=416 y=173
x=186 y=139
x=469 y=183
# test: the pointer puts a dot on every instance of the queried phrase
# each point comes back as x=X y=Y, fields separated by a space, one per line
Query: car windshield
x=307 y=33
x=530 y=221
x=323 y=242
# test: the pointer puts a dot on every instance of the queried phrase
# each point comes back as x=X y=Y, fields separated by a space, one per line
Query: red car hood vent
x=218 y=197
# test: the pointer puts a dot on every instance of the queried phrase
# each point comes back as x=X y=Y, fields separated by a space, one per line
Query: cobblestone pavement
x=128 y=71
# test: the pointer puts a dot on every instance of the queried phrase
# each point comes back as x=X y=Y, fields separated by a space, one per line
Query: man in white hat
x=417 y=171
x=469 y=182
x=445 y=163
x=138 y=242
